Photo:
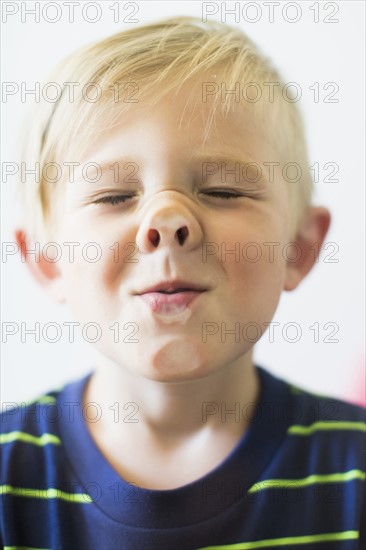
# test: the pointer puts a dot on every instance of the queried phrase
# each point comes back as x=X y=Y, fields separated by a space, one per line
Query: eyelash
x=117 y=199
x=113 y=199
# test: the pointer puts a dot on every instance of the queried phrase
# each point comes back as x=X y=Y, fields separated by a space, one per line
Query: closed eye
x=118 y=199
x=113 y=199
x=223 y=194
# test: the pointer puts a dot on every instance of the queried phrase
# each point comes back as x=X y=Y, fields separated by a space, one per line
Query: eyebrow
x=107 y=164
x=213 y=156
x=231 y=159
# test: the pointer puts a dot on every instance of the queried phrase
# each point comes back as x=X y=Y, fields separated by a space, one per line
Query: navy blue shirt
x=295 y=480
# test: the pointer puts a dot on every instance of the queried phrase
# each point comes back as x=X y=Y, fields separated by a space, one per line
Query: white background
x=305 y=52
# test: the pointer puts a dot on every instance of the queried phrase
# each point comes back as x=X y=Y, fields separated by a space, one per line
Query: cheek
x=257 y=282
x=99 y=253
x=254 y=263
x=88 y=283
x=251 y=240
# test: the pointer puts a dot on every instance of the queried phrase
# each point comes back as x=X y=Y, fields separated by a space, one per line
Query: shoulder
x=329 y=430
x=324 y=430
x=42 y=415
x=35 y=467
x=30 y=440
x=322 y=408
x=32 y=417
x=320 y=462
x=309 y=409
x=27 y=430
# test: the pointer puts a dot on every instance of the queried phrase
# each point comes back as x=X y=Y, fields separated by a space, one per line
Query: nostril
x=182 y=234
x=154 y=236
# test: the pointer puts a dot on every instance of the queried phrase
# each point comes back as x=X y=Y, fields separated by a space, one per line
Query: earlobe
x=43 y=269
x=307 y=244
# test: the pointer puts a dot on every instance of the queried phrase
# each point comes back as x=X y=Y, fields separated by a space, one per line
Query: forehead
x=186 y=120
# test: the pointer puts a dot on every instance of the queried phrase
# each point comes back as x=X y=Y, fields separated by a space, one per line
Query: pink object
x=169 y=303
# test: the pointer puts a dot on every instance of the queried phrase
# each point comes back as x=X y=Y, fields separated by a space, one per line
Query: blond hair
x=159 y=57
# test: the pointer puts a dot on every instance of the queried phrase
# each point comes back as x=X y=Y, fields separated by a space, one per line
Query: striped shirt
x=295 y=480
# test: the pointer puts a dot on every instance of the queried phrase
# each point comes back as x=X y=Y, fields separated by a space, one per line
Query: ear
x=45 y=271
x=307 y=244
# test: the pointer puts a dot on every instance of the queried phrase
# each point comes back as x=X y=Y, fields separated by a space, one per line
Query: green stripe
x=42 y=399
x=297 y=429
x=45 y=494
x=42 y=440
x=270 y=543
x=23 y=404
x=46 y=399
x=296 y=390
x=310 y=480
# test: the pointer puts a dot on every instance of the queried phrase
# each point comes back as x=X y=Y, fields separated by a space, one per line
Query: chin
x=176 y=376
x=176 y=361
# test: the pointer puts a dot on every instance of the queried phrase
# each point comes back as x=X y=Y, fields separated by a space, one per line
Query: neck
x=221 y=401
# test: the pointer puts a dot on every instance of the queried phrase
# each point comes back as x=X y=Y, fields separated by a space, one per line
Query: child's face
x=163 y=177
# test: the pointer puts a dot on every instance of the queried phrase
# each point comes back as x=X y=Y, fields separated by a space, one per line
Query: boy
x=176 y=440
